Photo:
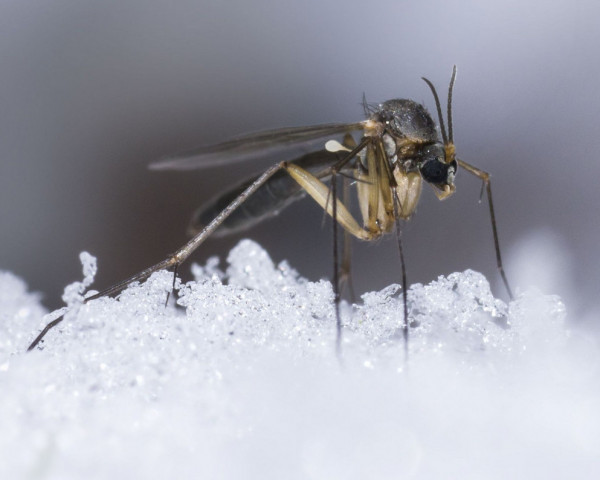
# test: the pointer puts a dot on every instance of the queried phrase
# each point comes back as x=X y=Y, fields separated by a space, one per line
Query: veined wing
x=252 y=146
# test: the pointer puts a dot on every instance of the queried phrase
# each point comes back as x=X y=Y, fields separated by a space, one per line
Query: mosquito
x=399 y=149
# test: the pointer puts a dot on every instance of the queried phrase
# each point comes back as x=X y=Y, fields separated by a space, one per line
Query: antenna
x=450 y=88
x=439 y=109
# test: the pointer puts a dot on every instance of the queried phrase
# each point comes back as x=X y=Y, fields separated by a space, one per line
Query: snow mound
x=238 y=378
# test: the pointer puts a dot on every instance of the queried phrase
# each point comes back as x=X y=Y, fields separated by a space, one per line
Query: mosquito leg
x=485 y=178
x=46 y=329
x=336 y=277
x=345 y=266
x=346 y=279
x=180 y=255
x=348 y=145
x=346 y=270
x=405 y=324
x=322 y=195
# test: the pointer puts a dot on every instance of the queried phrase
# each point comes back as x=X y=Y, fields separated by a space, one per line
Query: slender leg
x=346 y=270
x=322 y=194
x=346 y=264
x=485 y=177
x=336 y=278
x=405 y=325
x=178 y=257
x=345 y=273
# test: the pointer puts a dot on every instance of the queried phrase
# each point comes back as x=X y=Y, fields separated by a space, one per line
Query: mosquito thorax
x=405 y=119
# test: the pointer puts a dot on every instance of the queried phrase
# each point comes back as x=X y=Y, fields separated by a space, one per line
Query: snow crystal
x=74 y=292
x=20 y=311
x=239 y=379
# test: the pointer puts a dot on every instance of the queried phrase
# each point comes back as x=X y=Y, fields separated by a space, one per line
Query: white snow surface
x=240 y=379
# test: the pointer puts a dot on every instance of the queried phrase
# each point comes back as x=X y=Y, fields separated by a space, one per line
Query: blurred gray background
x=92 y=92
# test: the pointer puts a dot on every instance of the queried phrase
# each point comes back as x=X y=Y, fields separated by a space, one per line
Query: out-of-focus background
x=92 y=92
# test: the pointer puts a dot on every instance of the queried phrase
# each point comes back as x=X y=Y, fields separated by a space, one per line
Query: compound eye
x=434 y=171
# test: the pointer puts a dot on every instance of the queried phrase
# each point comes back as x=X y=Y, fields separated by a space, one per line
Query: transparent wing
x=252 y=146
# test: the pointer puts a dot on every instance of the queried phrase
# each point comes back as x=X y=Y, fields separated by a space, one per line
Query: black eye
x=434 y=171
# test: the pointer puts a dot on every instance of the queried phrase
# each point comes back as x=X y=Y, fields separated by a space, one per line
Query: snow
x=240 y=380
